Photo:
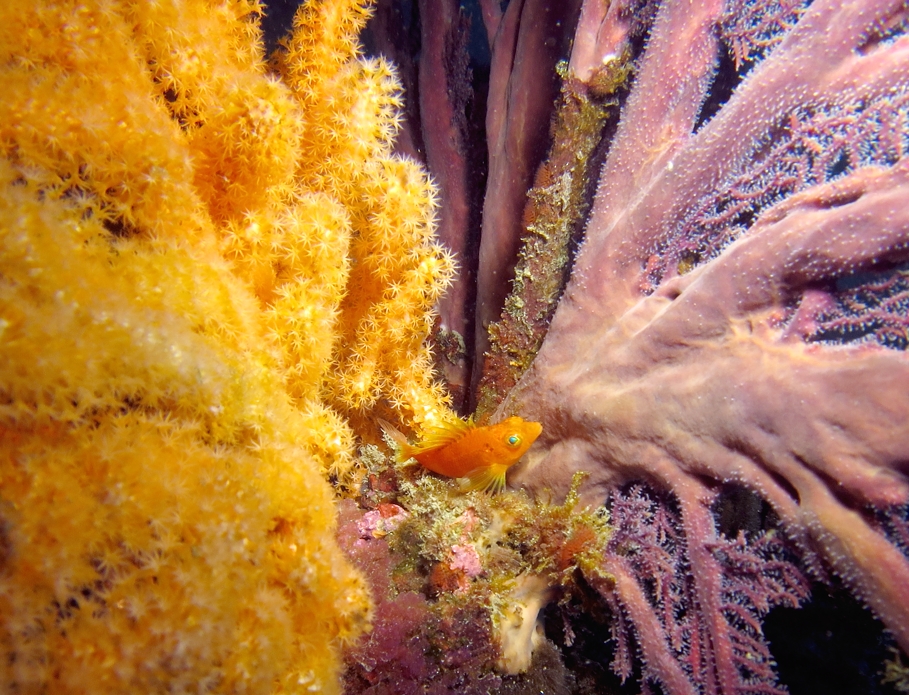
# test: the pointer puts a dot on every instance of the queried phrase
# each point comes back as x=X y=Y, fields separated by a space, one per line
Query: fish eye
x=513 y=440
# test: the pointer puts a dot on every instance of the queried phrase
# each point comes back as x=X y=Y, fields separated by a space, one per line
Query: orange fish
x=459 y=449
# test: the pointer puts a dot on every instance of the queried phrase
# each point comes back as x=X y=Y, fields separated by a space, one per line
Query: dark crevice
x=119 y=228
x=885 y=30
x=727 y=78
x=738 y=508
x=581 y=629
x=831 y=644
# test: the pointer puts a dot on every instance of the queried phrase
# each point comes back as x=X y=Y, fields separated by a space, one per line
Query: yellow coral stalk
x=206 y=270
x=398 y=272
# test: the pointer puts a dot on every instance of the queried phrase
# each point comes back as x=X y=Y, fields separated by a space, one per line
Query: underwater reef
x=673 y=233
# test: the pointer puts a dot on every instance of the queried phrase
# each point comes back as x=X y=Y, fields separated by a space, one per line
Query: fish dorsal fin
x=443 y=434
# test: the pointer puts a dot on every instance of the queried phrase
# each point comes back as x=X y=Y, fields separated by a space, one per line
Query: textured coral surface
x=736 y=315
x=204 y=263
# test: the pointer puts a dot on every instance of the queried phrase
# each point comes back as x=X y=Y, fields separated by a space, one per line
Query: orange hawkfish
x=459 y=449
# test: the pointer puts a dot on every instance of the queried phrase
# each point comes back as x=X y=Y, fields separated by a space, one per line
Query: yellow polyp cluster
x=162 y=524
x=210 y=274
x=397 y=271
x=385 y=316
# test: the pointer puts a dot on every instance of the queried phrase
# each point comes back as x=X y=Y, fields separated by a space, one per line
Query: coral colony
x=211 y=268
x=220 y=269
x=737 y=314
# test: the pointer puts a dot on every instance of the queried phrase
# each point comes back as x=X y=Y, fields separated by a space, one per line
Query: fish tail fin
x=489 y=479
x=403 y=449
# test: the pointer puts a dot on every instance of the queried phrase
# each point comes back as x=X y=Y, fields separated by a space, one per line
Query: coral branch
x=636 y=211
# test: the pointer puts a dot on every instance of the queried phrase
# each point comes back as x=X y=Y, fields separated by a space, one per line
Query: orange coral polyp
x=185 y=328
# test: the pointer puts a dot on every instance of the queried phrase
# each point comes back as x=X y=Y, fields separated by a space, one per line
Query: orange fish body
x=461 y=449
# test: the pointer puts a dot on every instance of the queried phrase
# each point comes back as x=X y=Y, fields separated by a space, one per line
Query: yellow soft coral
x=398 y=273
x=209 y=273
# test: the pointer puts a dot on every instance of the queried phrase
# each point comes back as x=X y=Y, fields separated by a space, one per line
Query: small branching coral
x=652 y=590
x=200 y=256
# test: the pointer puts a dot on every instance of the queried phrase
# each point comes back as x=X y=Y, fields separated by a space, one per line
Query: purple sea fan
x=737 y=314
x=689 y=633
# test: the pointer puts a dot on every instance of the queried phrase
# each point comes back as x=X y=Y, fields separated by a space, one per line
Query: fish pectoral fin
x=489 y=479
